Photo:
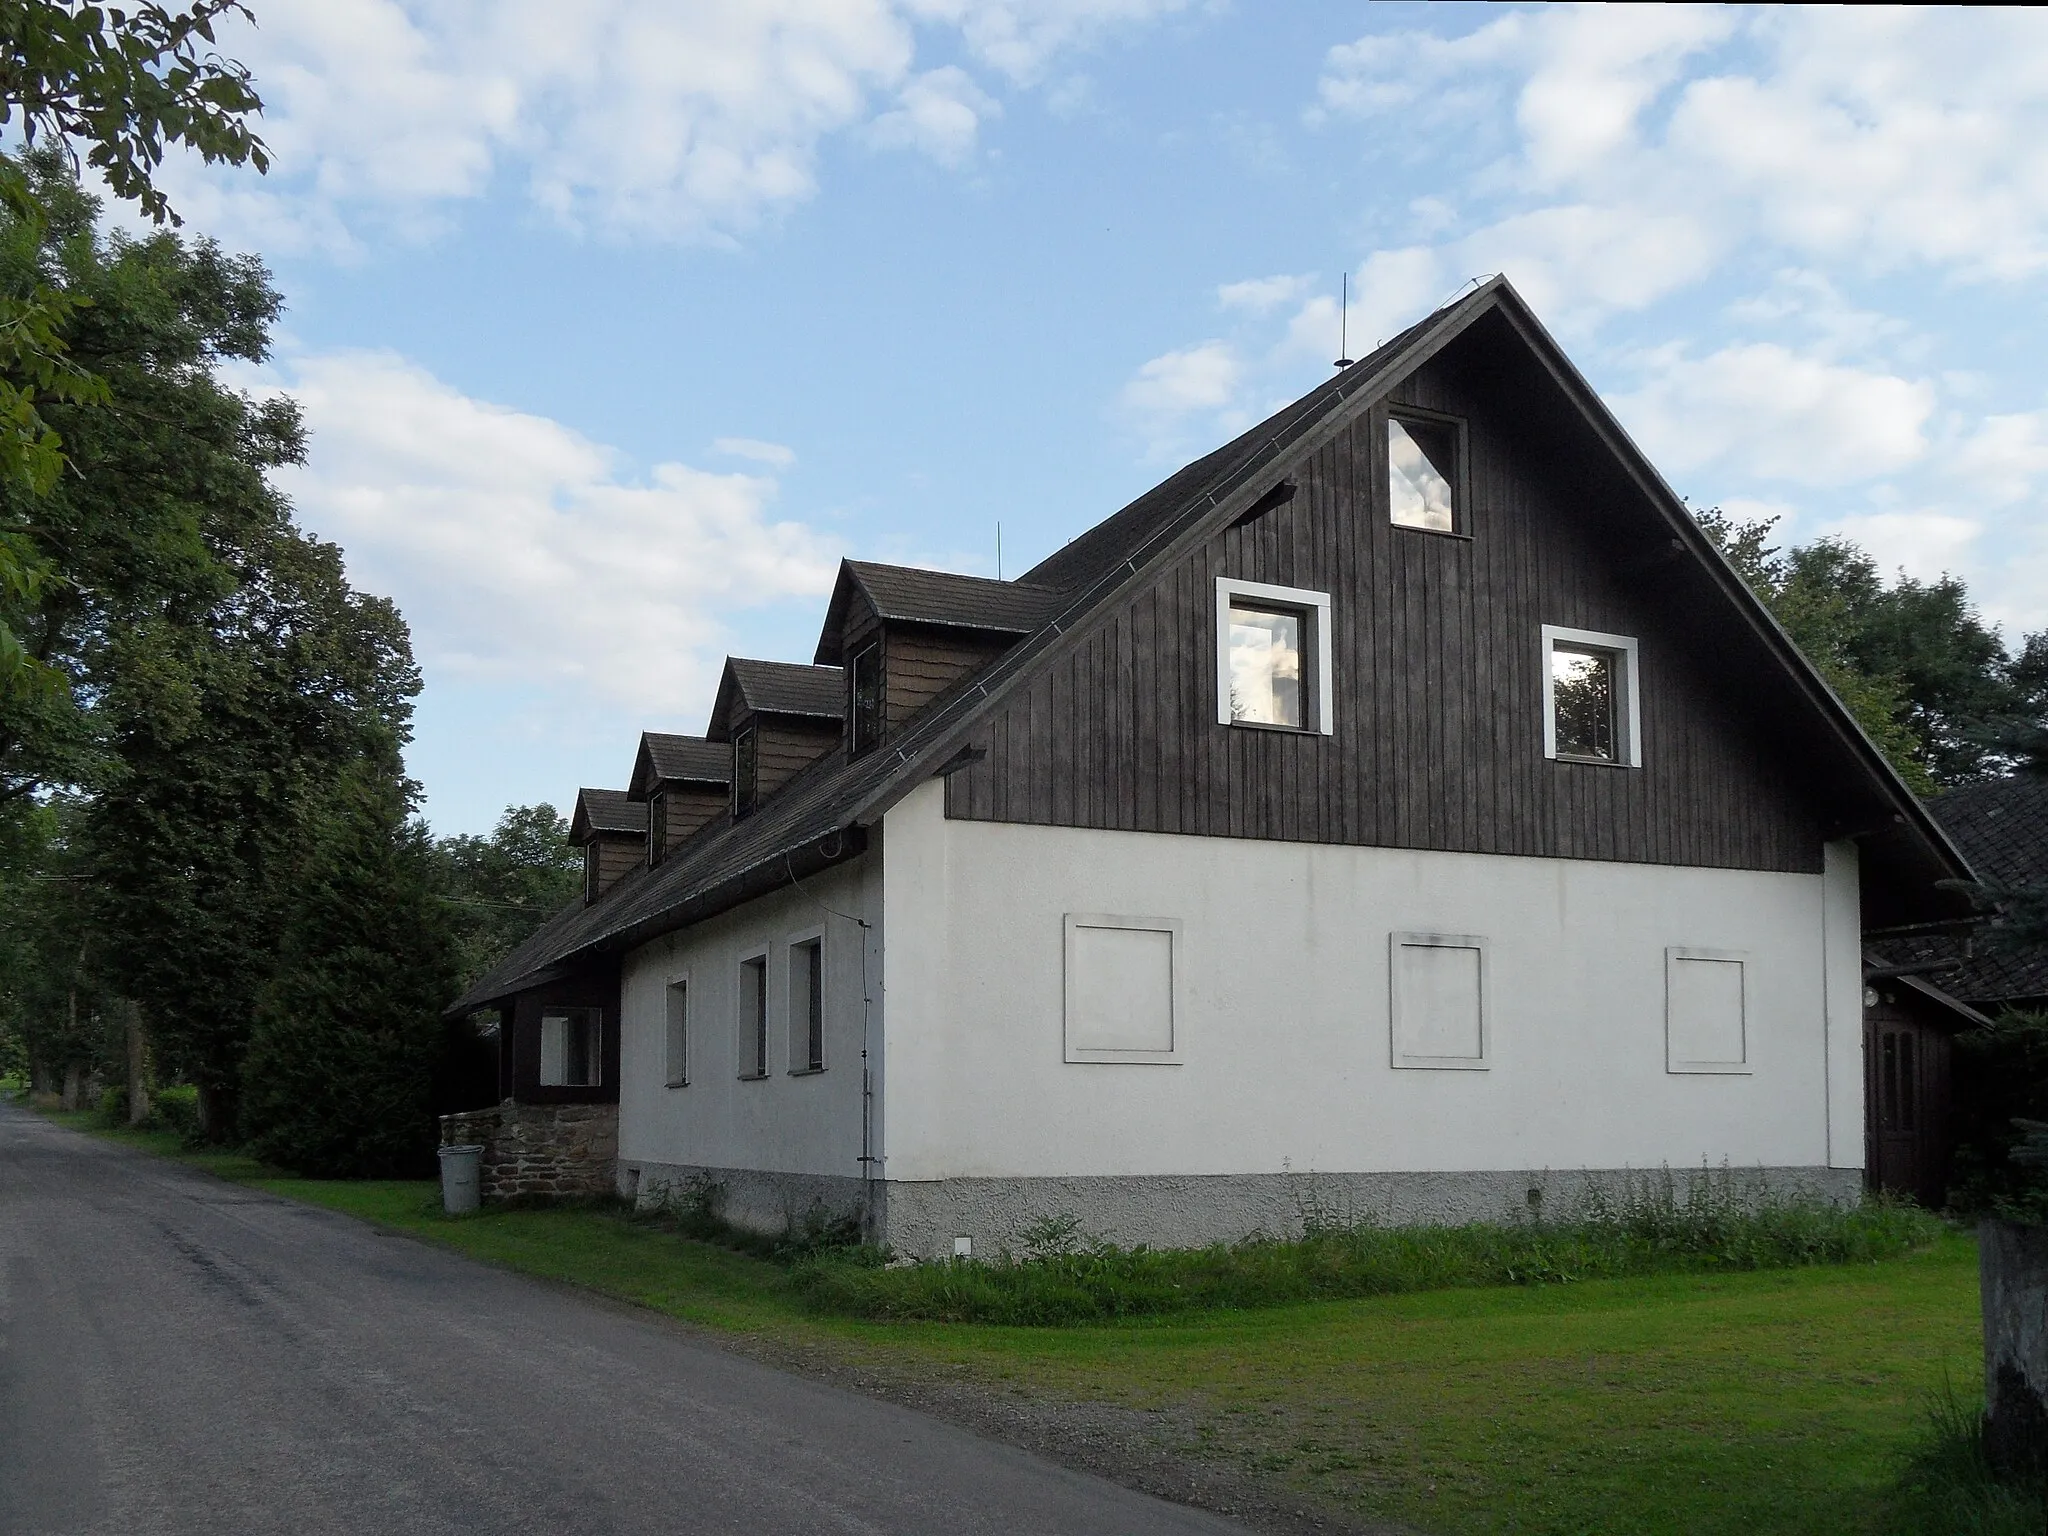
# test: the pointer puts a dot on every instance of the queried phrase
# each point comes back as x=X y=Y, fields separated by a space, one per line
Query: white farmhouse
x=1403 y=809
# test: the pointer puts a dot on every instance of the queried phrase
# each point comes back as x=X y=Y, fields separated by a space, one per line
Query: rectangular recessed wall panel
x=1120 y=989
x=1706 y=1026
x=1438 y=1000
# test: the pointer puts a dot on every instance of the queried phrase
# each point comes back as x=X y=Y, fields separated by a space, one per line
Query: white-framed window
x=1273 y=657
x=1592 y=706
x=1437 y=1001
x=675 y=1040
x=1706 y=1010
x=571 y=1047
x=752 y=1015
x=1122 y=988
x=805 y=1002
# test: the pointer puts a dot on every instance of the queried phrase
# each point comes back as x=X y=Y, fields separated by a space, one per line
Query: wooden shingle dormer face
x=778 y=718
x=611 y=829
x=906 y=637
x=685 y=783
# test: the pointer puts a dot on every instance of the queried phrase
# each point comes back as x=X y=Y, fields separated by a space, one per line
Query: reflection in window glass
x=1265 y=666
x=569 y=1048
x=1420 y=465
x=1582 y=696
x=867 y=699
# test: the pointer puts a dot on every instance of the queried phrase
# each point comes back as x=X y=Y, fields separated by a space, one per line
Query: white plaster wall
x=803 y=1123
x=1285 y=1030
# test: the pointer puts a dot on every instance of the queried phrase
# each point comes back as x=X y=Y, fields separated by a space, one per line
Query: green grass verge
x=1759 y=1403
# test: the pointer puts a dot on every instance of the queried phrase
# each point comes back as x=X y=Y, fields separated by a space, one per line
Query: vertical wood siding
x=1438 y=677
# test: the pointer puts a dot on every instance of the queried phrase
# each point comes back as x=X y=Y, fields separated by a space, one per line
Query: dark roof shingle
x=605 y=810
x=905 y=594
x=669 y=759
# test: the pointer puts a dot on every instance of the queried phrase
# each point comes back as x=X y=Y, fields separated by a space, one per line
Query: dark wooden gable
x=795 y=713
x=1437 y=683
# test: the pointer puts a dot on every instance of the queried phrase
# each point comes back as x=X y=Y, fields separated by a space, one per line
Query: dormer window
x=1272 y=657
x=1425 y=478
x=746 y=770
x=865 y=680
x=657 y=828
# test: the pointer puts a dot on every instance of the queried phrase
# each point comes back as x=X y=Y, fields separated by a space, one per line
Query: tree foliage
x=502 y=887
x=340 y=1072
x=121 y=83
x=1925 y=677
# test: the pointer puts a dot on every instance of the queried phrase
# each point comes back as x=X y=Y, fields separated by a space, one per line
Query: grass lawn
x=1756 y=1403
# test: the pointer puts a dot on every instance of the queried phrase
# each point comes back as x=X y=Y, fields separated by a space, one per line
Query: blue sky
x=615 y=335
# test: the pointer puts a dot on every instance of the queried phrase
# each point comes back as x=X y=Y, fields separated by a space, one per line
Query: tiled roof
x=669 y=759
x=907 y=595
x=2002 y=828
x=605 y=810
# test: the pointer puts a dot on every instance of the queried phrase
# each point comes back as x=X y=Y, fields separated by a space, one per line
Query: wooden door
x=1906 y=1071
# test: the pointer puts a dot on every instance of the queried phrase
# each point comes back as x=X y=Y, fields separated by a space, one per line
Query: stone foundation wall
x=541 y=1150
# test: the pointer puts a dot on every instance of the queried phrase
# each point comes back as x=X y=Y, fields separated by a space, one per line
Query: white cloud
x=1763 y=411
x=521 y=551
x=2006 y=458
x=1260 y=294
x=939 y=113
x=1923 y=544
x=1196 y=378
x=638 y=118
x=773 y=454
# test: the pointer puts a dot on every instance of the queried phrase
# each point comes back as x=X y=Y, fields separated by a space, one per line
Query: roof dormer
x=685 y=783
x=611 y=829
x=779 y=717
x=905 y=636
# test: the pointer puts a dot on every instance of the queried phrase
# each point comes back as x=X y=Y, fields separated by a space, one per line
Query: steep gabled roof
x=907 y=595
x=775 y=688
x=600 y=811
x=667 y=759
x=820 y=816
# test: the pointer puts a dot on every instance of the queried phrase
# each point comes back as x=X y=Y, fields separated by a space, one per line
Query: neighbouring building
x=1403 y=809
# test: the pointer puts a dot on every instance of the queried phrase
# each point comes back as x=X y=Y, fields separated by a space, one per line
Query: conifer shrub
x=339 y=1078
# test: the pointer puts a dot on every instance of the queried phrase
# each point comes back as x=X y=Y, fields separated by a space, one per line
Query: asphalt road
x=178 y=1354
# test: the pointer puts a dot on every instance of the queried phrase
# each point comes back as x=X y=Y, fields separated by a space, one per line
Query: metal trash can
x=461 y=1178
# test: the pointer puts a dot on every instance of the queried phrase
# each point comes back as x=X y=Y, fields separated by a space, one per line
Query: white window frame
x=797 y=1033
x=1071 y=924
x=676 y=1074
x=1672 y=1064
x=1627 y=693
x=1321 y=708
x=744 y=1037
x=1408 y=1060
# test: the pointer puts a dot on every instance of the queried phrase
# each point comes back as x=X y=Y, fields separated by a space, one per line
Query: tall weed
x=1647 y=1224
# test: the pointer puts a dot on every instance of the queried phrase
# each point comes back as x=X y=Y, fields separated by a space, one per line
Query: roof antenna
x=1344 y=326
x=999 y=549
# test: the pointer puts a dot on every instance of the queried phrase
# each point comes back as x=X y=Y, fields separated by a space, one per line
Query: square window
x=753 y=1016
x=1590 y=698
x=570 y=1048
x=1120 y=989
x=1272 y=657
x=1422 y=473
x=746 y=770
x=865 y=679
x=676 y=1035
x=807 y=1005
